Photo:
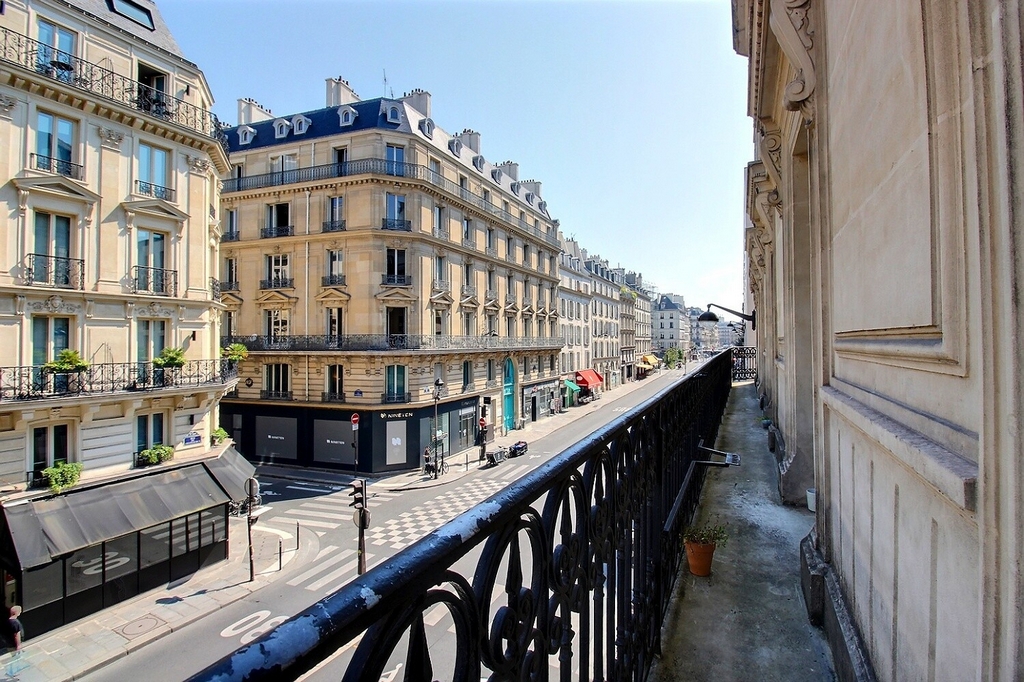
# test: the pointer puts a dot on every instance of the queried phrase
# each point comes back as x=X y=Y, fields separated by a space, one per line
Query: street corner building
x=882 y=209
x=374 y=264
x=109 y=308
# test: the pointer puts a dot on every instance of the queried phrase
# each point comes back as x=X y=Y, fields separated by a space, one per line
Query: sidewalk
x=75 y=650
x=747 y=620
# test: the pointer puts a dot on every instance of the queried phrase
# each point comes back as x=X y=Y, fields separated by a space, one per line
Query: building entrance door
x=509 y=404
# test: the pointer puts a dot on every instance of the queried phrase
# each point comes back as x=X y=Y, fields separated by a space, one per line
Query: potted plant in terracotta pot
x=701 y=542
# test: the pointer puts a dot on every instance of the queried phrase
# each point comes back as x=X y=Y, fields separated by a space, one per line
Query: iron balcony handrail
x=58 y=166
x=230 y=236
x=55 y=271
x=68 y=69
x=333 y=226
x=468 y=290
x=399 y=224
x=333 y=281
x=159 y=281
x=378 y=166
x=215 y=289
x=396 y=280
x=277 y=231
x=229 y=285
x=591 y=537
x=33 y=382
x=395 y=398
x=332 y=397
x=155 y=191
x=275 y=395
x=278 y=283
x=386 y=342
x=441 y=285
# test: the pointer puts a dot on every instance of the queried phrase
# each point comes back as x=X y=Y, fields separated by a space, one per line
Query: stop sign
x=355 y=417
x=483 y=423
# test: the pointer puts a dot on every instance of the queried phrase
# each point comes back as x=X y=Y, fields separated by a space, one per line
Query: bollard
x=280 y=552
x=296 y=536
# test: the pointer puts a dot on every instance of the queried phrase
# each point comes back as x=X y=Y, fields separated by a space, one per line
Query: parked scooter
x=518 y=448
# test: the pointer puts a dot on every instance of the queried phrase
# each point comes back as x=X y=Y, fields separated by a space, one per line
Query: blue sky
x=631 y=114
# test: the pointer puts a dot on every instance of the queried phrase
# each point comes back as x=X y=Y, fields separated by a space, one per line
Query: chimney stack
x=510 y=169
x=471 y=139
x=340 y=92
x=532 y=186
x=250 y=111
x=418 y=100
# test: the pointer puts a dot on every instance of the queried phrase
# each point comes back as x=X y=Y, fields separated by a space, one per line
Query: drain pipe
x=305 y=302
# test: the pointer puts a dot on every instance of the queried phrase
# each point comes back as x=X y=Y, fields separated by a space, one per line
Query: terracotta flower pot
x=699 y=558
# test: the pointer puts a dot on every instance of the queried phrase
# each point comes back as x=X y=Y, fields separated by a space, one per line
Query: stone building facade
x=575 y=296
x=371 y=254
x=881 y=260
x=605 y=321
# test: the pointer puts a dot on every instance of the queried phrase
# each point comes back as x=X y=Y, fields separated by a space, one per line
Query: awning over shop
x=45 y=529
x=571 y=386
x=652 y=360
x=588 y=378
x=643 y=365
x=232 y=471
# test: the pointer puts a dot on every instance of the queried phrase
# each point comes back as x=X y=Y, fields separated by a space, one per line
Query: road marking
x=435 y=615
x=302 y=577
x=317 y=514
x=305 y=522
x=324 y=552
x=334 y=575
x=276 y=531
x=322 y=505
x=311 y=490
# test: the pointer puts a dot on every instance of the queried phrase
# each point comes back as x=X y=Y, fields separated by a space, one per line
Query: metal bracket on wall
x=732 y=459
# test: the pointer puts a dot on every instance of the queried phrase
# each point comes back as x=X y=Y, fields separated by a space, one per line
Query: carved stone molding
x=791 y=24
x=154 y=309
x=129 y=221
x=19 y=305
x=23 y=195
x=90 y=306
x=197 y=164
x=7 y=104
x=56 y=304
x=110 y=138
x=129 y=310
x=769 y=146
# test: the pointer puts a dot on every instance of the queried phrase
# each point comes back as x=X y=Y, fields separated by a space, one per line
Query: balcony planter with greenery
x=155 y=455
x=701 y=542
x=234 y=353
x=170 y=358
x=68 y=361
x=62 y=475
x=218 y=436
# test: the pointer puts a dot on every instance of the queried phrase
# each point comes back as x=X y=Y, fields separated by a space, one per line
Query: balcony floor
x=747 y=620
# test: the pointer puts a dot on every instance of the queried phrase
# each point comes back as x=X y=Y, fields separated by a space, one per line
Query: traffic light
x=358 y=494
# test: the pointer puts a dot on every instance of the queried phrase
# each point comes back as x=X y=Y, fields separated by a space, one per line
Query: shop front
x=590 y=383
x=538 y=400
x=570 y=393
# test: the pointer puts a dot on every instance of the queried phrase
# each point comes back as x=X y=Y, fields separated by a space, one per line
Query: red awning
x=588 y=378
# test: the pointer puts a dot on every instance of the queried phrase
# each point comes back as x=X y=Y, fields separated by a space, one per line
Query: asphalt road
x=398 y=520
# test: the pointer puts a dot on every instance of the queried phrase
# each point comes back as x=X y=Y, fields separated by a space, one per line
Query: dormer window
x=543 y=206
x=455 y=146
x=478 y=163
x=394 y=115
x=300 y=124
x=515 y=188
x=281 y=128
x=427 y=128
x=346 y=115
x=496 y=175
x=245 y=134
x=529 y=198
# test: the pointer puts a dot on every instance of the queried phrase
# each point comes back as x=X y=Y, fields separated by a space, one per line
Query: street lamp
x=438 y=385
x=708 y=319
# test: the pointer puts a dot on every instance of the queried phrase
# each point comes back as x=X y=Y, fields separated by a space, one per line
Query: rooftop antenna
x=385 y=92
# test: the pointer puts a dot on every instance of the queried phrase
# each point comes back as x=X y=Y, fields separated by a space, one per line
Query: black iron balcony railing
x=332 y=397
x=396 y=224
x=468 y=290
x=229 y=286
x=571 y=567
x=156 y=281
x=384 y=342
x=491 y=251
x=385 y=167
x=68 y=69
x=35 y=383
x=333 y=226
x=58 y=166
x=215 y=289
x=278 y=283
x=54 y=271
x=392 y=398
x=396 y=280
x=155 y=191
x=744 y=363
x=231 y=236
x=333 y=281
x=275 y=395
x=441 y=285
x=277 y=231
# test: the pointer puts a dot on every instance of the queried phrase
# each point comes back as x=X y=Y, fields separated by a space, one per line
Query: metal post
x=437 y=464
x=251 y=488
x=280 y=554
x=296 y=536
x=362 y=541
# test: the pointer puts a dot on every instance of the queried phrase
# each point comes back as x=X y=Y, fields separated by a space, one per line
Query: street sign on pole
x=483 y=423
x=355 y=421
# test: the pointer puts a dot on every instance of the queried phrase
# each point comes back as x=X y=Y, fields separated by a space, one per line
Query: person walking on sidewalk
x=10 y=635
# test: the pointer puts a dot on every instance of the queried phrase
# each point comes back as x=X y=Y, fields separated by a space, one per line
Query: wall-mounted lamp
x=188 y=89
x=708 y=319
x=193 y=335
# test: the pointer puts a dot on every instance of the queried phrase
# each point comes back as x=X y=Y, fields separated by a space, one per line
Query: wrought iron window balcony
x=510 y=299
x=469 y=242
x=594 y=537
x=229 y=286
x=58 y=166
x=396 y=224
x=276 y=231
x=527 y=301
x=278 y=283
x=491 y=295
x=440 y=233
x=491 y=251
x=54 y=271
x=275 y=395
x=395 y=398
x=65 y=68
x=510 y=257
x=333 y=281
x=155 y=191
x=396 y=280
x=441 y=285
x=389 y=342
x=468 y=290
x=332 y=397
x=333 y=226
x=215 y=289
x=231 y=236
x=35 y=383
x=492 y=383
x=157 y=281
